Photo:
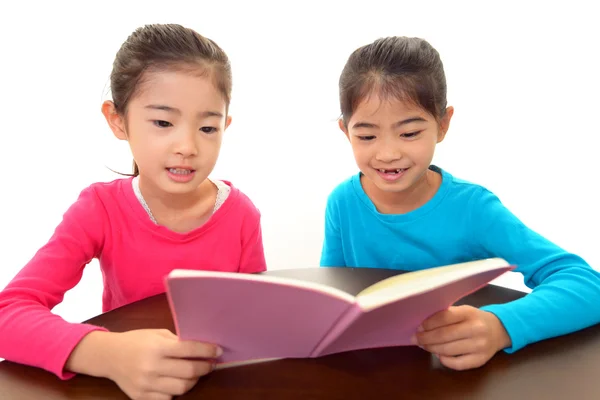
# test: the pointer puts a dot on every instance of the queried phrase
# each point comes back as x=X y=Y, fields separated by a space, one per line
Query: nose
x=388 y=152
x=185 y=143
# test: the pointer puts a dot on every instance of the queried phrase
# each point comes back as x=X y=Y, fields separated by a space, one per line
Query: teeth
x=180 y=171
x=391 y=171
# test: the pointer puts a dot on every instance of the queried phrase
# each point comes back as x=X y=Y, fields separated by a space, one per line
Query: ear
x=115 y=121
x=445 y=123
x=228 y=121
x=342 y=126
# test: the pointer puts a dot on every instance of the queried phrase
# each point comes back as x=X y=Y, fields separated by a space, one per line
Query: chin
x=392 y=188
x=178 y=188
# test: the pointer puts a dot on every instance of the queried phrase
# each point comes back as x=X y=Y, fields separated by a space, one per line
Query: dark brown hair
x=157 y=47
x=404 y=68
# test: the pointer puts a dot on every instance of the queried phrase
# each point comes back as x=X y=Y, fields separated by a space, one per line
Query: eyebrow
x=361 y=124
x=203 y=114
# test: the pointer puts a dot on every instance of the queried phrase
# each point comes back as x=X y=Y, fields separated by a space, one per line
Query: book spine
x=338 y=327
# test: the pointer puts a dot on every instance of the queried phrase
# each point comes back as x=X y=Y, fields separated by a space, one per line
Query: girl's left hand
x=462 y=337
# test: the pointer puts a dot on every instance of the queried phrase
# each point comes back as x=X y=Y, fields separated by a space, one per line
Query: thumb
x=166 y=334
x=192 y=349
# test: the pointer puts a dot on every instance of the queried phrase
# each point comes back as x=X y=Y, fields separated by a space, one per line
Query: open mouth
x=392 y=171
x=180 y=171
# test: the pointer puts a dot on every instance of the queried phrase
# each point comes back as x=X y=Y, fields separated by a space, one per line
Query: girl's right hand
x=155 y=364
x=146 y=364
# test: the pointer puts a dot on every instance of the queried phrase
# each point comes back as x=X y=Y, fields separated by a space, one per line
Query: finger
x=192 y=349
x=467 y=361
x=452 y=315
x=166 y=333
x=456 y=348
x=448 y=333
x=157 y=396
x=184 y=369
x=173 y=386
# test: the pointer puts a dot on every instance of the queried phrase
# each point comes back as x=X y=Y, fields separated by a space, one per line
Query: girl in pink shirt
x=171 y=90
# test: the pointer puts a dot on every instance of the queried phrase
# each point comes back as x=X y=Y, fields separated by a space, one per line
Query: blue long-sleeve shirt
x=466 y=222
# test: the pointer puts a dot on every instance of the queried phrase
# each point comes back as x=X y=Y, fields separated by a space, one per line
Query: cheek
x=360 y=153
x=209 y=148
x=144 y=149
x=424 y=150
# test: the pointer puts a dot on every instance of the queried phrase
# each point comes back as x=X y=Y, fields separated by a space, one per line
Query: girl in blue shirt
x=400 y=211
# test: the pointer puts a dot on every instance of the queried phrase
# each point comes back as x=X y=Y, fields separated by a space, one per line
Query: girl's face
x=174 y=126
x=393 y=142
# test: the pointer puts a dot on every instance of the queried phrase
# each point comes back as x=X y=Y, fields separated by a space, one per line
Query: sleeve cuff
x=511 y=323
x=71 y=339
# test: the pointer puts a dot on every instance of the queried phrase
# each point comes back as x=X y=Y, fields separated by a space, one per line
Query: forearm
x=564 y=303
x=565 y=288
x=93 y=354
x=30 y=334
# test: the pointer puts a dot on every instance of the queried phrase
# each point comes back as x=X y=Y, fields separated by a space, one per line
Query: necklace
x=222 y=193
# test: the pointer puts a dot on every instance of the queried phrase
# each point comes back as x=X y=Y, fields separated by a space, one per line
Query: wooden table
x=567 y=367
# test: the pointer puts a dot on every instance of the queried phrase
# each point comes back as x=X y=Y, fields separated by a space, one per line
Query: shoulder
x=348 y=198
x=109 y=189
x=101 y=193
x=465 y=191
x=238 y=214
x=240 y=203
x=92 y=211
x=100 y=202
x=480 y=201
x=344 y=191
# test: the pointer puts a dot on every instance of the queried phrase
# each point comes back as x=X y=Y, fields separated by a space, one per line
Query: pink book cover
x=394 y=323
x=253 y=318
x=260 y=317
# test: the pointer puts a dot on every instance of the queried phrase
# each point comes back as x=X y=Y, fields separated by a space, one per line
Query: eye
x=208 y=129
x=410 y=134
x=366 y=138
x=162 y=124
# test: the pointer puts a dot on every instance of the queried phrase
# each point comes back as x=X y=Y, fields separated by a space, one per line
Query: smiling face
x=174 y=125
x=393 y=142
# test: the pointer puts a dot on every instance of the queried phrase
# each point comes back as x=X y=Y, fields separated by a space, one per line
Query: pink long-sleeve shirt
x=108 y=222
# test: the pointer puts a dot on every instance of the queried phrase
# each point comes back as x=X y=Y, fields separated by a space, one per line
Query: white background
x=522 y=76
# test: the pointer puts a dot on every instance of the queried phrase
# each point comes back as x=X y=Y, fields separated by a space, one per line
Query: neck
x=162 y=203
x=407 y=200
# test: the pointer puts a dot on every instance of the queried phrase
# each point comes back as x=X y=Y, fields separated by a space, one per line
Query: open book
x=259 y=317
